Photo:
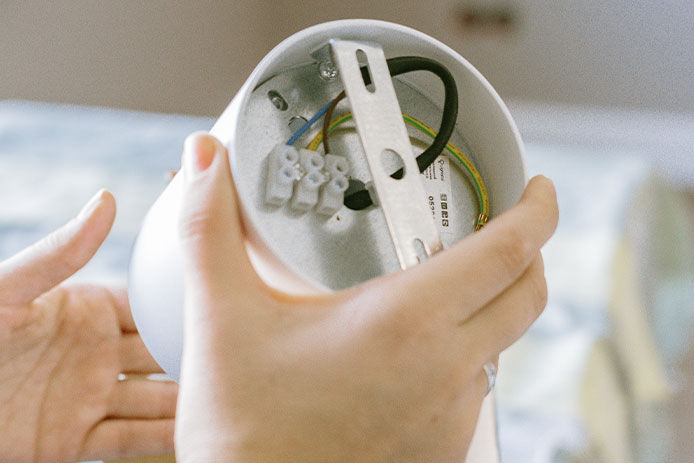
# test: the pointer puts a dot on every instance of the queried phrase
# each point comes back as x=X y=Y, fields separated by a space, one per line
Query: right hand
x=390 y=370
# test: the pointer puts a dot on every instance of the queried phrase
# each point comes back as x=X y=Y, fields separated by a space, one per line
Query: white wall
x=154 y=54
x=173 y=57
x=632 y=53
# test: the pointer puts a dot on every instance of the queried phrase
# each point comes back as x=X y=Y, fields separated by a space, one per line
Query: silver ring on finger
x=490 y=370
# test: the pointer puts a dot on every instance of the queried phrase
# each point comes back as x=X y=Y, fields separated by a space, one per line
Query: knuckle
x=554 y=211
x=513 y=252
x=196 y=224
x=199 y=209
x=164 y=399
x=404 y=327
x=397 y=320
x=170 y=398
x=68 y=253
x=538 y=288
x=75 y=318
x=547 y=208
x=159 y=403
x=551 y=212
x=123 y=438
x=511 y=332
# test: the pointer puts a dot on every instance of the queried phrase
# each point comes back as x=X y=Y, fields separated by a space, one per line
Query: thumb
x=47 y=263
x=212 y=240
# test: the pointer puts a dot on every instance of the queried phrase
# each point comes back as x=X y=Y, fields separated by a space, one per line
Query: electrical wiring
x=360 y=199
x=326 y=120
x=403 y=65
x=480 y=187
x=308 y=125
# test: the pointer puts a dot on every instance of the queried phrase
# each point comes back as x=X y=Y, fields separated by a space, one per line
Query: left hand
x=62 y=349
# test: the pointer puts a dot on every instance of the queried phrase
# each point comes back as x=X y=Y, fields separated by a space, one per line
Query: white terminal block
x=310 y=160
x=286 y=165
x=332 y=195
x=336 y=165
x=306 y=191
x=283 y=154
x=281 y=174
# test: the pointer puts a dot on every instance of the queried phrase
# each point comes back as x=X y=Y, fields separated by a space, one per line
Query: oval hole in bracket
x=393 y=164
x=420 y=250
x=363 y=62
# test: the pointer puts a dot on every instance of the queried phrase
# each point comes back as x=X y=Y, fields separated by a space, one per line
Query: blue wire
x=308 y=124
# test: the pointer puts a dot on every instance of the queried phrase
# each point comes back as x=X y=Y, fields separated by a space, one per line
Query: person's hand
x=390 y=370
x=62 y=350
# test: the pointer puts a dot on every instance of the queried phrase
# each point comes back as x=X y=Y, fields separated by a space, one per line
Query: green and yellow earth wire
x=480 y=186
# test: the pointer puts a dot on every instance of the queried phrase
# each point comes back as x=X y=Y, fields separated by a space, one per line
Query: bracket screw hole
x=277 y=100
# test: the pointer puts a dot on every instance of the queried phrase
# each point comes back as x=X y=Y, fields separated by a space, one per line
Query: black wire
x=360 y=199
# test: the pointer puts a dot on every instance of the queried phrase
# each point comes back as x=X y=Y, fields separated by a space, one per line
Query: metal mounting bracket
x=387 y=146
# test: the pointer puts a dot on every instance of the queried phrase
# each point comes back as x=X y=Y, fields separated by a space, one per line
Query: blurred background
x=103 y=93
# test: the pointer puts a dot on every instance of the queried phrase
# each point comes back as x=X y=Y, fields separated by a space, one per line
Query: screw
x=327 y=70
x=277 y=100
x=296 y=122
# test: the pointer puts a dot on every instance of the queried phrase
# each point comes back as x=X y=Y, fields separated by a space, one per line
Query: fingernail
x=199 y=151
x=91 y=205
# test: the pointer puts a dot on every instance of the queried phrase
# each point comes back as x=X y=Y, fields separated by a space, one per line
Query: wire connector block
x=306 y=192
x=310 y=161
x=281 y=174
x=332 y=195
x=307 y=178
x=336 y=165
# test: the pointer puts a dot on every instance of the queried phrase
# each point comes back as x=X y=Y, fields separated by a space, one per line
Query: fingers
x=135 y=357
x=506 y=318
x=144 y=398
x=210 y=228
x=125 y=439
x=122 y=307
x=475 y=270
x=47 y=263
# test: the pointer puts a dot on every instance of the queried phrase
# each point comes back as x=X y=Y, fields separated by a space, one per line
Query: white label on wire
x=437 y=184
